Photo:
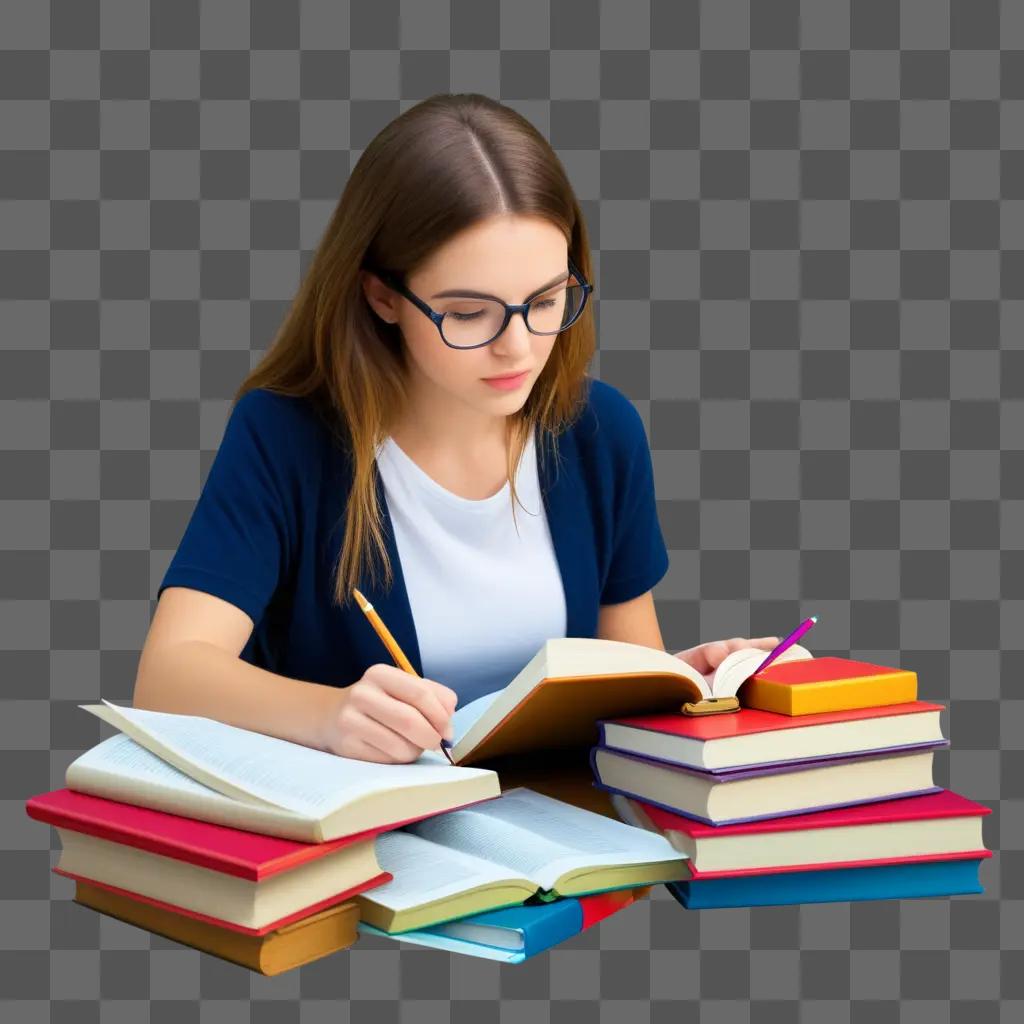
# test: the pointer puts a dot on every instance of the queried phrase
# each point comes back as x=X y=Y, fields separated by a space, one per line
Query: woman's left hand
x=707 y=657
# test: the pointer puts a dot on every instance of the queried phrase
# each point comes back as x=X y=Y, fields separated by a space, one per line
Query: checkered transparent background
x=808 y=235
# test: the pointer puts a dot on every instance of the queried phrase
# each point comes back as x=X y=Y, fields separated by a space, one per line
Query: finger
x=762 y=643
x=403 y=718
x=364 y=751
x=717 y=651
x=449 y=698
x=693 y=658
x=385 y=739
x=419 y=693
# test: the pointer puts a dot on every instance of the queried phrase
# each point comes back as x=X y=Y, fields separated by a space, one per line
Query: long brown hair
x=440 y=166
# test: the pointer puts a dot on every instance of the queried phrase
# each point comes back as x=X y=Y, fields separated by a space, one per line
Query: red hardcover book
x=232 y=851
x=217 y=848
x=753 y=737
x=596 y=906
x=945 y=804
x=281 y=922
x=931 y=807
x=747 y=721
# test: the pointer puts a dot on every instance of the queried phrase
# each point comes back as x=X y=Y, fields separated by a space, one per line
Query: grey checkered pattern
x=808 y=233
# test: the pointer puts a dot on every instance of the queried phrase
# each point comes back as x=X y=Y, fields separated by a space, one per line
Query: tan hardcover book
x=295 y=944
x=557 y=698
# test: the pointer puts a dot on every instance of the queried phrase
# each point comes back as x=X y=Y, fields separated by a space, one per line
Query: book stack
x=820 y=788
x=271 y=854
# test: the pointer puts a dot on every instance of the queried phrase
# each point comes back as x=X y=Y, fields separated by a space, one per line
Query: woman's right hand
x=389 y=715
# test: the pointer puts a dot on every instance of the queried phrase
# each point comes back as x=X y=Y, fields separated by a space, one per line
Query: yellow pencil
x=394 y=650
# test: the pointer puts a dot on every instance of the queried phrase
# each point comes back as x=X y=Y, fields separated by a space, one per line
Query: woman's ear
x=383 y=301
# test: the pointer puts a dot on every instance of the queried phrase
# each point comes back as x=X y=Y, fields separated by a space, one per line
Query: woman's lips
x=507 y=383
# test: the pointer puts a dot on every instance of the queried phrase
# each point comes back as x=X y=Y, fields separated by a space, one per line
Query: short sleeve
x=237 y=541
x=639 y=557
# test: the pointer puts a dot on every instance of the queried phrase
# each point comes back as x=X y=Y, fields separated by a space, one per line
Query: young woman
x=375 y=446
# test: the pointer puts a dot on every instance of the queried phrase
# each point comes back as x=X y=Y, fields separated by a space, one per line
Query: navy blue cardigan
x=266 y=532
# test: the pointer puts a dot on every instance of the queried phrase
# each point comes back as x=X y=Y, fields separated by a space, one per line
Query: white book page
x=301 y=779
x=540 y=837
x=738 y=666
x=425 y=872
x=121 y=755
x=466 y=716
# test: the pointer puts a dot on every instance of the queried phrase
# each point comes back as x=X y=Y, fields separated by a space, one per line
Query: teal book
x=511 y=934
x=908 y=880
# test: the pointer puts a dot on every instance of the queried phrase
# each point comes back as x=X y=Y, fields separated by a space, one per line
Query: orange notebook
x=292 y=945
x=809 y=686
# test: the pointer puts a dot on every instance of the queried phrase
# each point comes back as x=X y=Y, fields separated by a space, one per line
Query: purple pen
x=787 y=642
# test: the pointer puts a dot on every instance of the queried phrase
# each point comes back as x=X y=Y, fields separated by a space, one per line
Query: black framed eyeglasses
x=472 y=320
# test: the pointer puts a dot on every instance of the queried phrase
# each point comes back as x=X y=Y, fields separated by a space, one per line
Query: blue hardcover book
x=510 y=934
x=832 y=885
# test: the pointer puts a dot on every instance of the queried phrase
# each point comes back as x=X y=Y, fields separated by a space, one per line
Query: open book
x=571 y=682
x=205 y=769
x=502 y=852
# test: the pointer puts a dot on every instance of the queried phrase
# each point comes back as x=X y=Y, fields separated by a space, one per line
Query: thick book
x=808 y=686
x=751 y=737
x=557 y=698
x=309 y=938
x=773 y=791
x=201 y=768
x=503 y=852
x=514 y=934
x=839 y=885
x=236 y=879
x=935 y=826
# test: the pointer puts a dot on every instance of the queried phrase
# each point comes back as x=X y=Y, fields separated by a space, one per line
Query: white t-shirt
x=484 y=597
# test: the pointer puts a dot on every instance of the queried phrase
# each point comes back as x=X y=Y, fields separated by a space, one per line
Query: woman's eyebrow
x=452 y=293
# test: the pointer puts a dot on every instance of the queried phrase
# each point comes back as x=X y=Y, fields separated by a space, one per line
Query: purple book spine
x=794 y=762
x=764 y=817
x=775 y=768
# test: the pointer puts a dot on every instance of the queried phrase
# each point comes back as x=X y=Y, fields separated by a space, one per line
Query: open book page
x=246 y=764
x=542 y=838
x=118 y=768
x=467 y=716
x=120 y=755
x=591 y=656
x=738 y=666
x=424 y=871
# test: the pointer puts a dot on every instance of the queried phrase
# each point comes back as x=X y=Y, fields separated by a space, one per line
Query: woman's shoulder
x=610 y=420
x=278 y=418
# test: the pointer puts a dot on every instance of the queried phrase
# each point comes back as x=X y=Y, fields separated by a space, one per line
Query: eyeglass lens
x=468 y=322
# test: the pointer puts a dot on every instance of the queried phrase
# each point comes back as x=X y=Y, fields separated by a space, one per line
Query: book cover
x=330 y=901
x=714 y=743
x=884 y=882
x=806 y=686
x=749 y=721
x=599 y=905
x=232 y=851
x=943 y=804
x=274 y=952
x=514 y=934
x=724 y=777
